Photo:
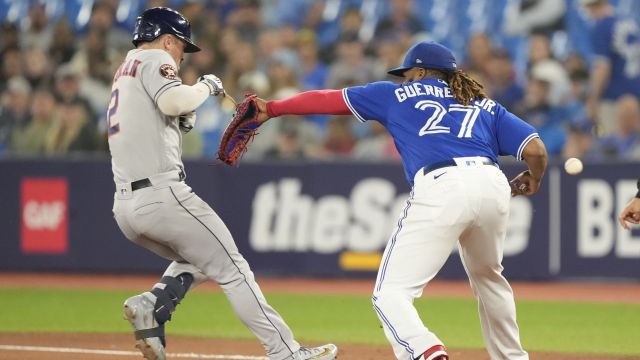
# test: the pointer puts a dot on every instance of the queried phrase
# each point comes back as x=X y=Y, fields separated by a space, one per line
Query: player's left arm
x=364 y=102
x=329 y=102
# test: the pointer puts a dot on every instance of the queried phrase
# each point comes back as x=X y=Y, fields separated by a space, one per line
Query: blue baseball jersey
x=428 y=125
x=618 y=41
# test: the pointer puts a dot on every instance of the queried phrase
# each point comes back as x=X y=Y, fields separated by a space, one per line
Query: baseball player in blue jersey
x=449 y=135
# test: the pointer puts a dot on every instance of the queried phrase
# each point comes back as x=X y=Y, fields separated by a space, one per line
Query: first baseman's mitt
x=239 y=132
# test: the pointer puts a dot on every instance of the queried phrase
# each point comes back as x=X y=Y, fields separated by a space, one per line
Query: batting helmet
x=161 y=20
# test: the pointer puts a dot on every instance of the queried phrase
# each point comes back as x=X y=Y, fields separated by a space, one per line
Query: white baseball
x=573 y=166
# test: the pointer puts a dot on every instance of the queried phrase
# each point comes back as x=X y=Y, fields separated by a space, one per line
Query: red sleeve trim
x=328 y=102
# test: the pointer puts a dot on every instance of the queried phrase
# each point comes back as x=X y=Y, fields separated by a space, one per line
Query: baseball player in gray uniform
x=156 y=209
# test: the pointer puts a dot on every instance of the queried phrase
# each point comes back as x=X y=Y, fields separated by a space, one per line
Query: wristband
x=638 y=193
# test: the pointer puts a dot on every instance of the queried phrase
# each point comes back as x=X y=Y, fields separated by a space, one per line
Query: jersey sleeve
x=513 y=133
x=370 y=101
x=159 y=73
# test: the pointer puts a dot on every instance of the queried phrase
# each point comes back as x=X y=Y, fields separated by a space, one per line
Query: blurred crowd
x=579 y=85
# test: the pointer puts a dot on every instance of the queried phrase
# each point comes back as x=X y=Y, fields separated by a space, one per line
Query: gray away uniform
x=155 y=209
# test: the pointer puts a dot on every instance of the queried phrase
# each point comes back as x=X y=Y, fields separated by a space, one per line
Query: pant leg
x=426 y=233
x=481 y=252
x=186 y=224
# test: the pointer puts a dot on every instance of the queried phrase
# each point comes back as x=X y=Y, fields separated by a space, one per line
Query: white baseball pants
x=467 y=205
x=173 y=222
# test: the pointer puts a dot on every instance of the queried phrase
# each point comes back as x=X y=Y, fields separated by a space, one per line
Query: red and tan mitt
x=240 y=131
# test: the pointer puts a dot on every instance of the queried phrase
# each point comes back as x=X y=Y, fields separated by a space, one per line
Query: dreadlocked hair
x=463 y=86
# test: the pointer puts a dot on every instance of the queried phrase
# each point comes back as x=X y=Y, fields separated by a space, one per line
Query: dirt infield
x=72 y=346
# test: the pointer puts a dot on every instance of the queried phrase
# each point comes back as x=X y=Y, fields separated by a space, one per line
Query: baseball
x=573 y=166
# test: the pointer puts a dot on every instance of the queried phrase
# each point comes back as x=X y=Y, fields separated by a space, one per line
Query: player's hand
x=630 y=214
x=524 y=184
x=187 y=121
x=213 y=83
x=262 y=110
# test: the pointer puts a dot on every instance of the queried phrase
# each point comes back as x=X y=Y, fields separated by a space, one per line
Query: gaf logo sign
x=44 y=216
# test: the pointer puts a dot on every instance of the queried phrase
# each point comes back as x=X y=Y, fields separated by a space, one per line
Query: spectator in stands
x=31 y=139
x=579 y=139
x=67 y=85
x=525 y=17
x=9 y=40
x=96 y=54
x=314 y=72
x=351 y=63
x=37 y=68
x=501 y=80
x=624 y=143
x=379 y=146
x=103 y=21
x=282 y=72
x=388 y=52
x=72 y=131
x=14 y=109
x=401 y=22
x=63 y=46
x=548 y=120
x=479 y=50
x=242 y=74
x=246 y=19
x=339 y=142
x=11 y=65
x=615 y=68
x=288 y=144
x=543 y=65
x=37 y=32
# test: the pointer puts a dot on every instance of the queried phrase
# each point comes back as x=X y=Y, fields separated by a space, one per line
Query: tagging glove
x=242 y=128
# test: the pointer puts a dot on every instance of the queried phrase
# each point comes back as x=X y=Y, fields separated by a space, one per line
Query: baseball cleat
x=139 y=311
x=436 y=352
x=324 y=352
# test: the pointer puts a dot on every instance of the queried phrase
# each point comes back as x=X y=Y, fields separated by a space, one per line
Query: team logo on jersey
x=169 y=72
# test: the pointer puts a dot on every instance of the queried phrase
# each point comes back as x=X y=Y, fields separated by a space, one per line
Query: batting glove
x=187 y=121
x=213 y=83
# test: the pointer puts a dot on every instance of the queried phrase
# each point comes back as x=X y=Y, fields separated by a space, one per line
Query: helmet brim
x=191 y=46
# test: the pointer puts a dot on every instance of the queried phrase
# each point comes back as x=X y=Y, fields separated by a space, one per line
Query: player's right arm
x=534 y=155
x=517 y=138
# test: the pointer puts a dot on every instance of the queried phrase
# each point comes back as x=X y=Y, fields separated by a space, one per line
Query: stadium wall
x=311 y=219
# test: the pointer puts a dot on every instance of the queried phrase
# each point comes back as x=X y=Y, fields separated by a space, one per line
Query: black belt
x=140 y=184
x=450 y=162
x=143 y=183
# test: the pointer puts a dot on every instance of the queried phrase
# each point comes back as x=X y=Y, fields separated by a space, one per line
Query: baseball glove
x=240 y=131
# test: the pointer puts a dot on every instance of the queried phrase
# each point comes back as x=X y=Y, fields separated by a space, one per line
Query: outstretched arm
x=328 y=102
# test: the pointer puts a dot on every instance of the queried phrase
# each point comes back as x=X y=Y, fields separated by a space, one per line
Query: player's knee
x=170 y=295
x=487 y=271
